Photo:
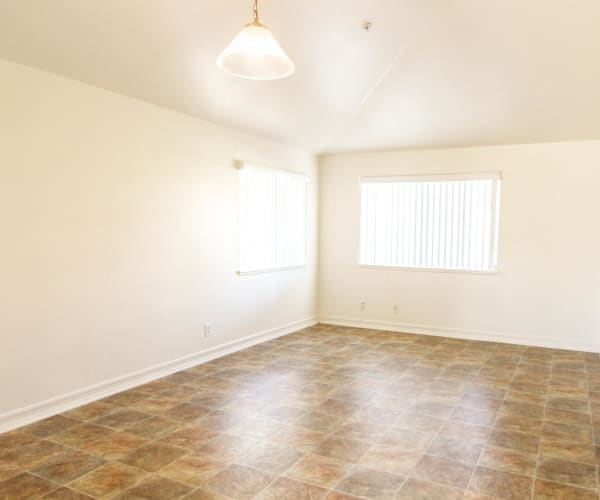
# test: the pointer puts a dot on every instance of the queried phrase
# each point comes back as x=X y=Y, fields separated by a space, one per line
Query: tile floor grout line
x=539 y=453
x=108 y=462
x=282 y=474
x=437 y=433
x=406 y=410
x=327 y=436
x=456 y=361
x=357 y=464
x=485 y=444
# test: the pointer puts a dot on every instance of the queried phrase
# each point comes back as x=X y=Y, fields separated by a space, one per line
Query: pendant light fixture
x=255 y=54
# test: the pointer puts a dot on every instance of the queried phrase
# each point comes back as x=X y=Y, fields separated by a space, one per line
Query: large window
x=272 y=219
x=447 y=222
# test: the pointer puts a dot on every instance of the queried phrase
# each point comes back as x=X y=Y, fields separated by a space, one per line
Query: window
x=447 y=222
x=272 y=219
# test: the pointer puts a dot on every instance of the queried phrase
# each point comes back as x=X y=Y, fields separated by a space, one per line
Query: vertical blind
x=431 y=222
x=272 y=219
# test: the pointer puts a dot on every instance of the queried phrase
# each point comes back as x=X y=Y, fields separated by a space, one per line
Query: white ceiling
x=430 y=72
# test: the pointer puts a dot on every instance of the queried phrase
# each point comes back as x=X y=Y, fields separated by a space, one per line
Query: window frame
x=240 y=166
x=483 y=175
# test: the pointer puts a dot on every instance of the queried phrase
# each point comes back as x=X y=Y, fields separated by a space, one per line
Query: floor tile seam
x=163 y=443
x=69 y=484
x=247 y=467
x=569 y=460
x=277 y=476
x=357 y=465
x=435 y=436
x=122 y=430
x=68 y=449
x=588 y=398
x=147 y=415
x=159 y=477
x=158 y=471
x=54 y=483
x=304 y=454
x=539 y=453
x=571 y=485
x=329 y=489
x=189 y=452
x=50 y=463
x=347 y=474
x=327 y=436
x=72 y=447
x=201 y=489
x=490 y=430
x=544 y=420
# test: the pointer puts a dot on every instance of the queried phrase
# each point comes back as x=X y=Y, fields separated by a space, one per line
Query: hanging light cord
x=255 y=11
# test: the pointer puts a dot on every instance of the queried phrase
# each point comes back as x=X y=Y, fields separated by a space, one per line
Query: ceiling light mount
x=255 y=11
x=255 y=54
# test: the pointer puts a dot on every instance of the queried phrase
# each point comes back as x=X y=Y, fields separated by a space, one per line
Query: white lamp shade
x=255 y=54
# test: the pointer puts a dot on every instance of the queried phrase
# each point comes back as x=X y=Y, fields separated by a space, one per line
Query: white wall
x=548 y=289
x=119 y=237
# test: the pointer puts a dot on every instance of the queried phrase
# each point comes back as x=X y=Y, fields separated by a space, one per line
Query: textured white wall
x=119 y=237
x=548 y=289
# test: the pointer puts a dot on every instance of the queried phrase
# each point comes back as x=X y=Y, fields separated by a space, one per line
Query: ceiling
x=430 y=73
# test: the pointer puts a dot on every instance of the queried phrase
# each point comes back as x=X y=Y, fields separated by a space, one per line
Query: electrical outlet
x=396 y=309
x=207 y=330
x=363 y=305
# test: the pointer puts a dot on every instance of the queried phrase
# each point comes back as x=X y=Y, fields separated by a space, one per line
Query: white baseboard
x=458 y=333
x=29 y=414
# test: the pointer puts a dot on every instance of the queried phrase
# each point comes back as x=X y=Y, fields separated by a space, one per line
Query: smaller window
x=272 y=219
x=443 y=222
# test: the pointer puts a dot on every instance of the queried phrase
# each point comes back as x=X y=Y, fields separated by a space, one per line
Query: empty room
x=284 y=250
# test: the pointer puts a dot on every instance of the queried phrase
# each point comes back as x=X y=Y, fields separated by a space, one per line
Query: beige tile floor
x=330 y=412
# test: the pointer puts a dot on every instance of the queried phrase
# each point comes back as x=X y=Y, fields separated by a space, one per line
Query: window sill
x=430 y=270
x=273 y=270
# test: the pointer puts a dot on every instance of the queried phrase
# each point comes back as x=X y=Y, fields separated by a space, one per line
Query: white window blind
x=272 y=219
x=431 y=222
